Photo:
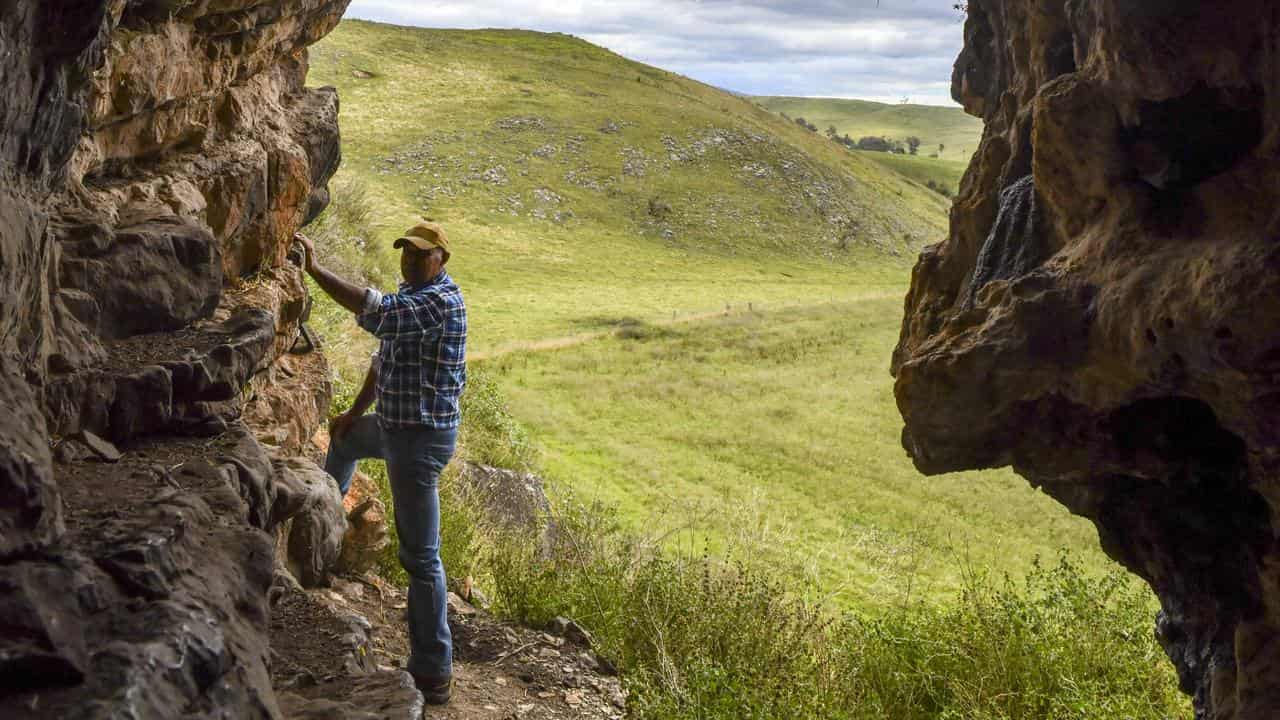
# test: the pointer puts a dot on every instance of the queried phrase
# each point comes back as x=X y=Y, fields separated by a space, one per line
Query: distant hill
x=934 y=125
x=582 y=185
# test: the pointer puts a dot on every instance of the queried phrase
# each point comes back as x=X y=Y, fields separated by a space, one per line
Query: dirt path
x=501 y=671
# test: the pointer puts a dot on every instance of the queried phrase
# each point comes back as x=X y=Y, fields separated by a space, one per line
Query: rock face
x=1103 y=315
x=156 y=157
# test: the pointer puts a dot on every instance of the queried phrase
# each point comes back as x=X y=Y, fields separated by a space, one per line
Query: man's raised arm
x=344 y=293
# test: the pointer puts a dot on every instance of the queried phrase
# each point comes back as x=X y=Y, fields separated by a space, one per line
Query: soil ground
x=500 y=671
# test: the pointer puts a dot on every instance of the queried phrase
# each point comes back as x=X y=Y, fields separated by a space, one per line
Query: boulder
x=366 y=538
x=157 y=275
x=509 y=499
x=316 y=529
x=384 y=695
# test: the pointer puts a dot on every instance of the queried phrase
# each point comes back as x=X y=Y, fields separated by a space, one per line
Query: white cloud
x=883 y=50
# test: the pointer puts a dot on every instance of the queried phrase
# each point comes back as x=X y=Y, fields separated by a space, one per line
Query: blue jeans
x=414 y=457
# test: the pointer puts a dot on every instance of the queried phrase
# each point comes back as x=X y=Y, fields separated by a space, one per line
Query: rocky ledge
x=1103 y=314
x=156 y=157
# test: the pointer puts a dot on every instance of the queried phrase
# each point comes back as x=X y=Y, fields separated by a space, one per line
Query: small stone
x=571 y=631
x=459 y=606
x=348 y=589
x=501 y=681
x=68 y=451
x=573 y=697
x=546 y=695
x=101 y=449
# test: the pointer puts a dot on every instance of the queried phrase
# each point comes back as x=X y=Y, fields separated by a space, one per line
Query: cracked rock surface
x=1103 y=314
x=156 y=157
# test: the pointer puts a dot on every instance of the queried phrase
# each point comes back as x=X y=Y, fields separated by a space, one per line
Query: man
x=416 y=376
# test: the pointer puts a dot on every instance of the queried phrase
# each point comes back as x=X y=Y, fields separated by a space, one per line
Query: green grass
x=577 y=184
x=779 y=427
x=699 y=637
x=942 y=173
x=934 y=125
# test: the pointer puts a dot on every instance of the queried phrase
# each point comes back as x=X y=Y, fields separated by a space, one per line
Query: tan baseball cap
x=424 y=236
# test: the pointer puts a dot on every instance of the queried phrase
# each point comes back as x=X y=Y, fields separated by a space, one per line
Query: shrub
x=698 y=637
x=876 y=144
x=942 y=190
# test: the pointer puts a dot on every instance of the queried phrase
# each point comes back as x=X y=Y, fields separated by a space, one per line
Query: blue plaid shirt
x=422 y=358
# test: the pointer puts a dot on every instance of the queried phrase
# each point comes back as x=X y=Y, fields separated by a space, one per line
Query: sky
x=884 y=50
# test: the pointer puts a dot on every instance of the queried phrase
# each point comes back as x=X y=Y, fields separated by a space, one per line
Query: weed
x=701 y=636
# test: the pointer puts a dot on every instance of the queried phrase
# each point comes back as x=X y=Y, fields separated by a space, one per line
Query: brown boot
x=435 y=690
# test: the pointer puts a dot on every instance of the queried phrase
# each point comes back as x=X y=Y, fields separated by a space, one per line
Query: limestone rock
x=153 y=156
x=366 y=538
x=1102 y=315
x=385 y=695
x=159 y=274
x=95 y=447
x=510 y=499
x=315 y=536
x=30 y=508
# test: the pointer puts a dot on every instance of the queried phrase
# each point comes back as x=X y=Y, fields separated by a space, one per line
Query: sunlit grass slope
x=580 y=187
x=950 y=127
x=924 y=170
x=779 y=429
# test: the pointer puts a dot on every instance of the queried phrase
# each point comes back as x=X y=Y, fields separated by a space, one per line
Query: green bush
x=698 y=637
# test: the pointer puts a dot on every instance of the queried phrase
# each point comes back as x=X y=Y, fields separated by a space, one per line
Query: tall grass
x=703 y=637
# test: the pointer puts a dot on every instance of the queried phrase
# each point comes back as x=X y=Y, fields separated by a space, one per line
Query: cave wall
x=1103 y=315
x=156 y=157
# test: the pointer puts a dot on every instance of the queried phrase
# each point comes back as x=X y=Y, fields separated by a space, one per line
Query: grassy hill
x=948 y=135
x=950 y=127
x=582 y=187
x=589 y=197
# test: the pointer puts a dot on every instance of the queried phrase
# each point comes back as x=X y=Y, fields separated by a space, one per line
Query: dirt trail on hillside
x=564 y=341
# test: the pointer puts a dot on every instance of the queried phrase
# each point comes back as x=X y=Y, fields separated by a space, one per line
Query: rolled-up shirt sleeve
x=401 y=314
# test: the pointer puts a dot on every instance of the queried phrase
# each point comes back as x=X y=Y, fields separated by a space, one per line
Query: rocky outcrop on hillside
x=1103 y=315
x=156 y=157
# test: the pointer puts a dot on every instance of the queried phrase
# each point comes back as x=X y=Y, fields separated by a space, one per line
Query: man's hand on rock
x=340 y=425
x=309 y=251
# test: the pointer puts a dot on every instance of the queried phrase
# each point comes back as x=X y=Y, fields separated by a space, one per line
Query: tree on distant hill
x=941 y=147
x=876 y=143
x=913 y=144
x=806 y=124
x=832 y=132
